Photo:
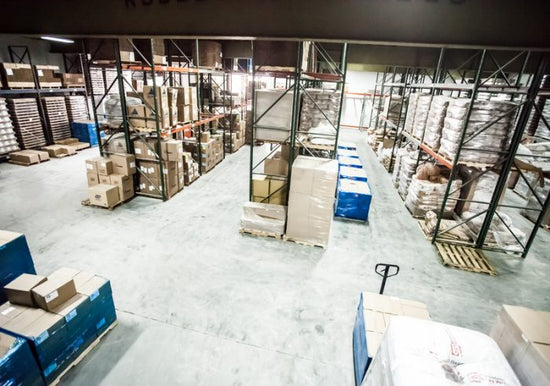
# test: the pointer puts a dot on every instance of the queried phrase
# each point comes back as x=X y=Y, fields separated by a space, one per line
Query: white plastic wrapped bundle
x=425 y=195
x=411 y=110
x=485 y=146
x=417 y=352
x=407 y=170
x=392 y=108
x=8 y=140
x=113 y=110
x=274 y=119
x=263 y=218
x=435 y=121
x=397 y=166
x=323 y=134
x=421 y=115
x=317 y=104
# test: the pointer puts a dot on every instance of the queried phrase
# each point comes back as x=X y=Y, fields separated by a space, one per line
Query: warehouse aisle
x=198 y=303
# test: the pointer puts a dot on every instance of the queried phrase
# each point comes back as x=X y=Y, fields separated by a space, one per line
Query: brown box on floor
x=19 y=290
x=124 y=164
x=150 y=182
x=523 y=335
x=58 y=288
x=24 y=157
x=276 y=165
x=125 y=185
x=103 y=195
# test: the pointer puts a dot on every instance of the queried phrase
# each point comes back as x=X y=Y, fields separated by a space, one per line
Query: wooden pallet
x=464 y=258
x=445 y=224
x=260 y=233
x=81 y=357
x=301 y=242
x=87 y=202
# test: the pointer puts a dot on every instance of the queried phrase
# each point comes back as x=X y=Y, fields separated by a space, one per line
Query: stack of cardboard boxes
x=186 y=104
x=110 y=180
x=236 y=138
x=59 y=315
x=143 y=115
x=311 y=200
x=190 y=169
x=211 y=150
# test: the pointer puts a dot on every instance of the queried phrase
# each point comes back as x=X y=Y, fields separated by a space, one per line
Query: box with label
x=125 y=185
x=93 y=178
x=172 y=150
x=104 y=179
x=162 y=116
x=19 y=290
x=276 y=166
x=103 y=195
x=146 y=149
x=161 y=94
x=17 y=364
x=15 y=259
x=55 y=290
x=72 y=80
x=124 y=164
x=99 y=165
x=136 y=116
x=150 y=181
x=46 y=76
x=18 y=75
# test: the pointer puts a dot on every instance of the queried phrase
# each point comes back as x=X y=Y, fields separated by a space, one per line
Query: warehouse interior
x=275 y=203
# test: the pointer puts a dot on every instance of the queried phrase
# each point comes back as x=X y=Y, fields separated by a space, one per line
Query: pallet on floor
x=464 y=258
x=81 y=357
x=260 y=233
x=445 y=224
x=87 y=202
x=301 y=242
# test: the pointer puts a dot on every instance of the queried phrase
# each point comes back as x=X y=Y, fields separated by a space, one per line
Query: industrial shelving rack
x=22 y=54
x=482 y=76
x=151 y=72
x=296 y=80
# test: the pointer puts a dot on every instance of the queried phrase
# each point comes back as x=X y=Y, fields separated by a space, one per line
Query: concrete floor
x=200 y=304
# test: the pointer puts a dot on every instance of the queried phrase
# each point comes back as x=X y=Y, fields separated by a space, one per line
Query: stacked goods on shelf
x=422 y=109
x=110 y=180
x=373 y=317
x=27 y=124
x=59 y=316
x=392 y=112
x=542 y=192
x=432 y=353
x=8 y=141
x=57 y=119
x=235 y=131
x=319 y=114
x=17 y=75
x=210 y=54
x=173 y=105
x=15 y=259
x=77 y=109
x=142 y=50
x=85 y=131
x=269 y=189
x=311 y=200
x=277 y=164
x=97 y=83
x=273 y=120
x=263 y=219
x=353 y=193
x=411 y=112
x=384 y=151
x=163 y=110
x=73 y=80
x=427 y=191
x=110 y=79
x=436 y=119
x=211 y=150
x=190 y=169
x=46 y=76
x=479 y=188
x=491 y=141
x=17 y=364
x=186 y=104
x=523 y=335
x=407 y=169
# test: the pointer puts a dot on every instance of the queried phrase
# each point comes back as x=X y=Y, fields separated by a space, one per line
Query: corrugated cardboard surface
x=54 y=291
x=19 y=290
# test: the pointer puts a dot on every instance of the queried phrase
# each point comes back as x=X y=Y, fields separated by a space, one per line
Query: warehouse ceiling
x=503 y=23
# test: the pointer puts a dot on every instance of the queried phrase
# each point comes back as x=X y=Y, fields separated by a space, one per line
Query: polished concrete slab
x=199 y=303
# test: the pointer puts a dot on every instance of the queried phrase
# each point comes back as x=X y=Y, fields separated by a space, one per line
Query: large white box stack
x=275 y=124
x=311 y=200
x=523 y=335
x=8 y=141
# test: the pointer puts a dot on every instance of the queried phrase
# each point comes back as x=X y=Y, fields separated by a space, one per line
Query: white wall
x=357 y=82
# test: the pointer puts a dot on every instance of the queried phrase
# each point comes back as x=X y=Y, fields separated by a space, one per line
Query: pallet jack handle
x=385 y=270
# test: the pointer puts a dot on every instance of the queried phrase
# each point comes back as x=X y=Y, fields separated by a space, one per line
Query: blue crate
x=85 y=131
x=353 y=199
x=15 y=259
x=347 y=153
x=349 y=161
x=17 y=365
x=352 y=173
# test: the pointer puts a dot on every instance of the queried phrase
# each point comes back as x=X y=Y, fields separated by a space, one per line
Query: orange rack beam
x=436 y=156
x=160 y=68
x=191 y=125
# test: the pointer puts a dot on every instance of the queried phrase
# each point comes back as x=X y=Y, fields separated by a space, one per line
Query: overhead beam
x=503 y=23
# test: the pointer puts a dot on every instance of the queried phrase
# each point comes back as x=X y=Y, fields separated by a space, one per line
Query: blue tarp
x=15 y=259
x=353 y=199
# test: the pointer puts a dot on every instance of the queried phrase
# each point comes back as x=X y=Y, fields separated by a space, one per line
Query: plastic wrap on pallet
x=317 y=106
x=353 y=199
x=421 y=115
x=113 y=111
x=350 y=161
x=411 y=110
x=351 y=173
x=421 y=352
x=274 y=114
x=532 y=203
x=322 y=134
x=407 y=169
x=263 y=218
x=425 y=195
x=17 y=364
x=340 y=152
x=435 y=121
x=484 y=146
x=15 y=259
x=311 y=200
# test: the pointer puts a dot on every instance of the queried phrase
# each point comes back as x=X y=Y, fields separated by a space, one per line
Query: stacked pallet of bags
x=421 y=115
x=435 y=121
x=427 y=191
x=485 y=146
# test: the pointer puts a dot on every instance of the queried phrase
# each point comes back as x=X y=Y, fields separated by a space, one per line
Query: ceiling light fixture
x=59 y=40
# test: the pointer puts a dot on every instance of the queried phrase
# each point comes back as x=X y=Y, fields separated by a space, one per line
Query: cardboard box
x=184 y=113
x=124 y=164
x=276 y=166
x=523 y=335
x=172 y=150
x=163 y=117
x=99 y=165
x=137 y=84
x=59 y=151
x=150 y=182
x=161 y=96
x=46 y=76
x=73 y=80
x=260 y=186
x=103 y=195
x=24 y=157
x=58 y=288
x=93 y=178
x=146 y=149
x=125 y=185
x=17 y=75
x=136 y=116
x=104 y=179
x=205 y=136
x=19 y=290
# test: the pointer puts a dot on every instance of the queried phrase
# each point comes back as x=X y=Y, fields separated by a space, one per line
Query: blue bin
x=352 y=173
x=85 y=131
x=353 y=199
x=17 y=364
x=15 y=259
x=347 y=145
x=349 y=161
x=347 y=153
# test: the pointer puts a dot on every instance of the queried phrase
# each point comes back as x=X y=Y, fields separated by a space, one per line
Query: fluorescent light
x=59 y=40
